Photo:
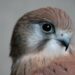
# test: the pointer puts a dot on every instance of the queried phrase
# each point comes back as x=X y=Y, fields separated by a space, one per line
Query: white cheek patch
x=35 y=37
x=54 y=49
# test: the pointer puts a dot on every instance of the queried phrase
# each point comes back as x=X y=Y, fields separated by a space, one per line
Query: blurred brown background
x=11 y=11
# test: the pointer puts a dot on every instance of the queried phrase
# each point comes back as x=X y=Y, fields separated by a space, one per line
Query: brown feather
x=38 y=64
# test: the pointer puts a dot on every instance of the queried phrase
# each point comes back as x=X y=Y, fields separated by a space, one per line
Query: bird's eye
x=47 y=27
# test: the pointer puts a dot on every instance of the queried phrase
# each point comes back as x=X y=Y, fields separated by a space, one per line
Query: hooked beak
x=64 y=38
x=65 y=43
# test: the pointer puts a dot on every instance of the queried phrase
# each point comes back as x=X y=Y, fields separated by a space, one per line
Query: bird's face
x=46 y=37
x=50 y=36
x=46 y=30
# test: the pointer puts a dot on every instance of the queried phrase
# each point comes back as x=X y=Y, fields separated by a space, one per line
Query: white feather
x=53 y=49
x=35 y=36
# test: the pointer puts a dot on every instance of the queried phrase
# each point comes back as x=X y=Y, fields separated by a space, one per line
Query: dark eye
x=48 y=27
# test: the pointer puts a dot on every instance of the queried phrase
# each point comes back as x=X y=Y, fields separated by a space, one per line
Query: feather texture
x=27 y=61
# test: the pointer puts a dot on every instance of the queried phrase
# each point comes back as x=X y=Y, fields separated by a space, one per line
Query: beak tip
x=64 y=43
x=66 y=48
x=67 y=45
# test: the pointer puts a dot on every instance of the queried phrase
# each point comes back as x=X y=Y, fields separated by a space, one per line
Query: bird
x=41 y=43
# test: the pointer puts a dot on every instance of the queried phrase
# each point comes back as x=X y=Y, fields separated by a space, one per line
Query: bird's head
x=47 y=30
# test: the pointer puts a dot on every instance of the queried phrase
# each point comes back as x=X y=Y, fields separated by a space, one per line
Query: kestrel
x=41 y=44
